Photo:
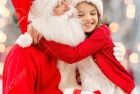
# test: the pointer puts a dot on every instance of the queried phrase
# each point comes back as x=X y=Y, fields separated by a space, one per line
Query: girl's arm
x=97 y=41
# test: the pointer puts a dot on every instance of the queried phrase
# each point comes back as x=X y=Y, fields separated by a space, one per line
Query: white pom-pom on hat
x=24 y=40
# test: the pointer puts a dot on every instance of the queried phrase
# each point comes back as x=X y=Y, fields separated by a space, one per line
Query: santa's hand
x=36 y=36
x=118 y=52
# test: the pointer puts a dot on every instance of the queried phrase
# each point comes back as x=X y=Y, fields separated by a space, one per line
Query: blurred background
x=122 y=17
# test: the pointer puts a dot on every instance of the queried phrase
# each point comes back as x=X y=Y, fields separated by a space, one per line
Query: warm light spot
x=130 y=15
x=2 y=22
x=2 y=9
x=127 y=2
x=8 y=49
x=3 y=37
x=6 y=13
x=1 y=68
x=131 y=11
x=114 y=27
x=138 y=47
x=123 y=48
x=134 y=58
x=3 y=2
x=131 y=7
x=2 y=48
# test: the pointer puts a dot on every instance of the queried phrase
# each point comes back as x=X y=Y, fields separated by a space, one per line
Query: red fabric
x=29 y=71
x=78 y=77
x=22 y=8
x=100 y=46
x=97 y=92
x=76 y=91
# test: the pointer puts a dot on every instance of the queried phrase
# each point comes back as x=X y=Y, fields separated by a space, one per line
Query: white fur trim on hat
x=42 y=7
x=24 y=40
x=98 y=3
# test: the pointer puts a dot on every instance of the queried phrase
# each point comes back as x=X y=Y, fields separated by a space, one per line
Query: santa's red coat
x=29 y=71
x=100 y=46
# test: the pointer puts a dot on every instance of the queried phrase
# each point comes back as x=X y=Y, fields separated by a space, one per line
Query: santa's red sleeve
x=19 y=73
x=97 y=41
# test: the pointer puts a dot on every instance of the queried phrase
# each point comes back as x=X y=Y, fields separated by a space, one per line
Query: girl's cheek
x=82 y=20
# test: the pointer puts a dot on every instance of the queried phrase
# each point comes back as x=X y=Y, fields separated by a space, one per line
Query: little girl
x=100 y=70
x=106 y=74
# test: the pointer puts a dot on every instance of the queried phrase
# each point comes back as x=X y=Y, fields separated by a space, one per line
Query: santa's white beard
x=65 y=31
x=70 y=32
x=60 y=29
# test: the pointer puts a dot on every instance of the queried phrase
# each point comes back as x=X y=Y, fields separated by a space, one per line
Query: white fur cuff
x=134 y=91
x=68 y=91
x=24 y=40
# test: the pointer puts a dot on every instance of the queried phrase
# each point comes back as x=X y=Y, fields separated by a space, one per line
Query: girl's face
x=88 y=14
x=61 y=8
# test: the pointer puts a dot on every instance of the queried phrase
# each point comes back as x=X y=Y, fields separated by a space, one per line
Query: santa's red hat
x=22 y=8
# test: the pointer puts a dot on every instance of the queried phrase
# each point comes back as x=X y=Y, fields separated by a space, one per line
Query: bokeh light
x=1 y=68
x=127 y=2
x=2 y=48
x=8 y=49
x=3 y=37
x=2 y=9
x=123 y=48
x=3 y=2
x=6 y=13
x=2 y=22
x=134 y=58
x=138 y=47
x=114 y=27
x=131 y=11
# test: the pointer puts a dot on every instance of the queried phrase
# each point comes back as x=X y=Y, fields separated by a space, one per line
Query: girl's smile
x=88 y=14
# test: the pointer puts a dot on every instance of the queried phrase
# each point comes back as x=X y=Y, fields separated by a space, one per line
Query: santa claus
x=33 y=70
x=28 y=70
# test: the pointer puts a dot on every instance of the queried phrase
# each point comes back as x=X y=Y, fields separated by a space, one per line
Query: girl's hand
x=36 y=36
x=118 y=52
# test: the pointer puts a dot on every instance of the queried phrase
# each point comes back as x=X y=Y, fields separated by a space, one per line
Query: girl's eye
x=93 y=13
x=81 y=15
